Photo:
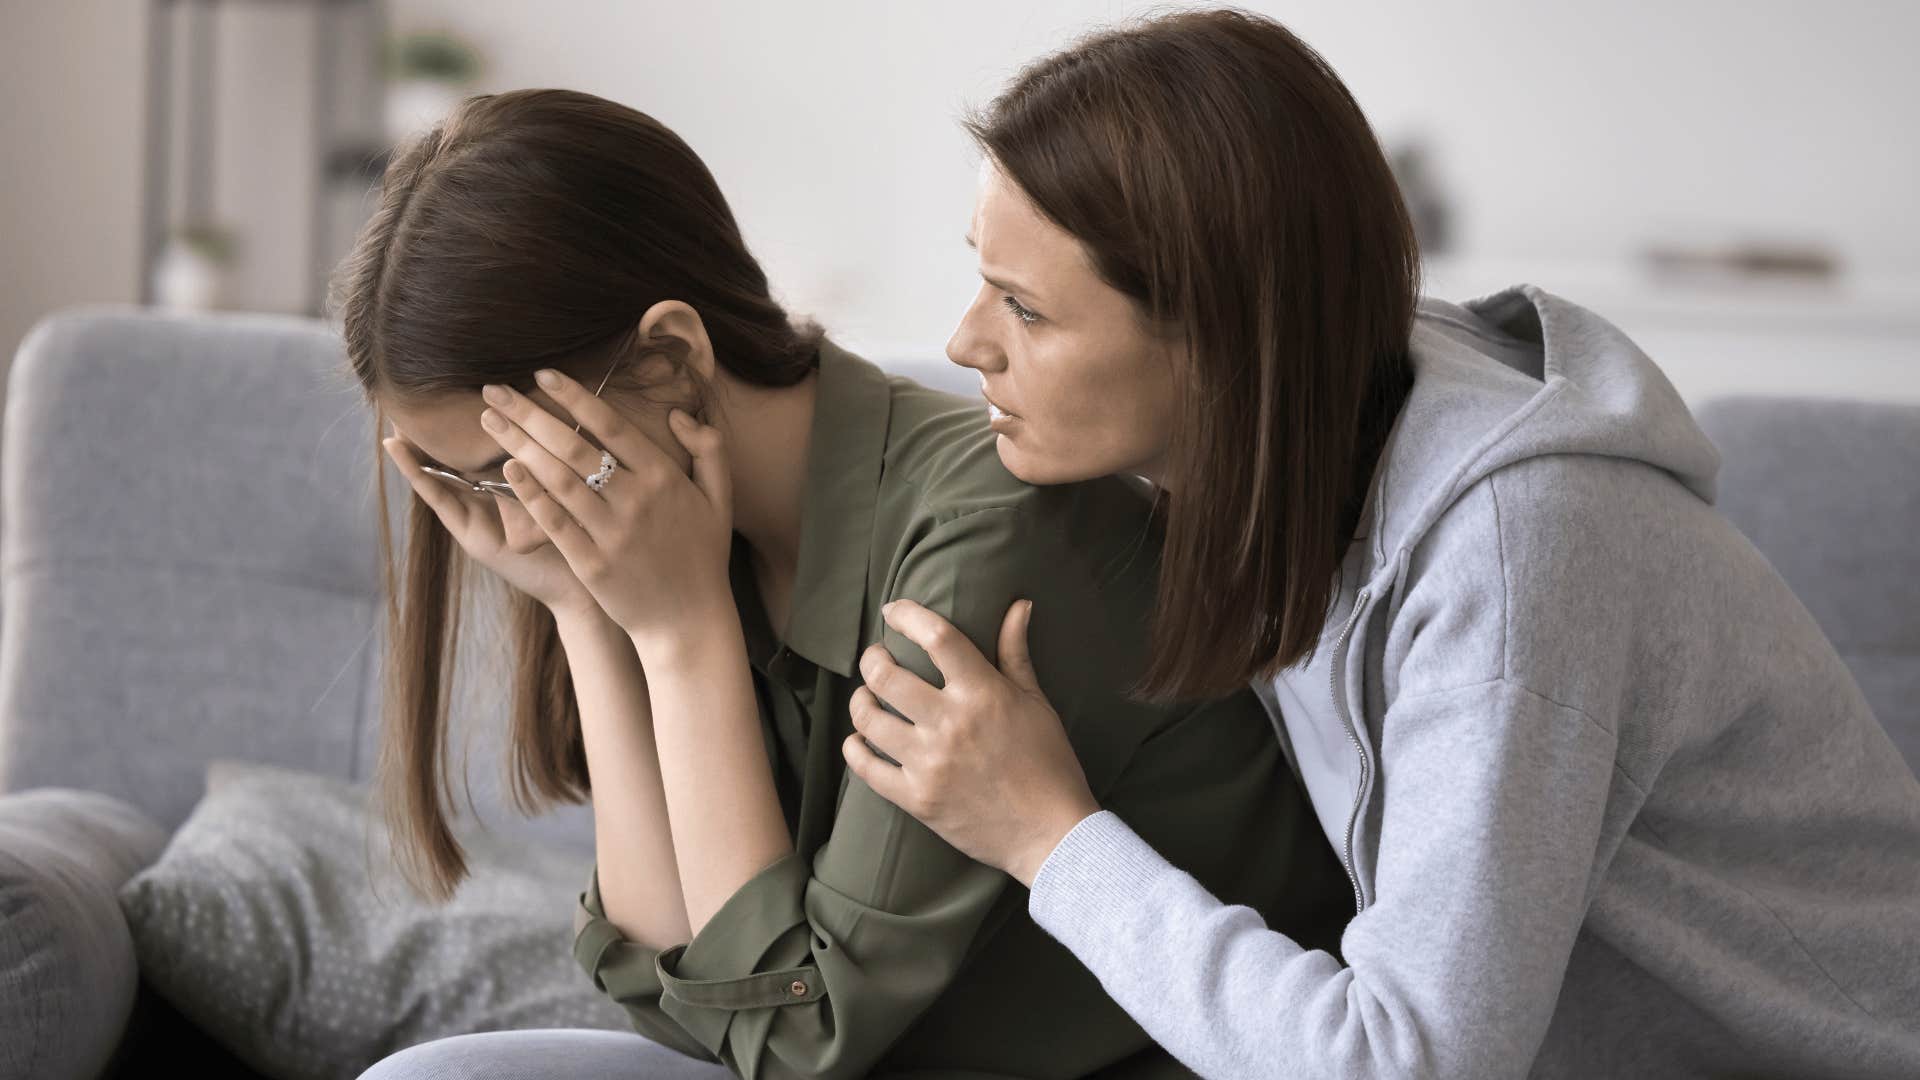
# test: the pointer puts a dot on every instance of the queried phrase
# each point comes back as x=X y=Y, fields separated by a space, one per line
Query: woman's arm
x=642 y=907
x=720 y=797
x=1500 y=810
x=633 y=849
x=1487 y=851
x=1487 y=854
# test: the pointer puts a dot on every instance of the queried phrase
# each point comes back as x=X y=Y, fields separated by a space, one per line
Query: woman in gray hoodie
x=1609 y=801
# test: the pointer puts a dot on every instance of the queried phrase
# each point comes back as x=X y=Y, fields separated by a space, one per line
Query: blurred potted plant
x=428 y=72
x=192 y=268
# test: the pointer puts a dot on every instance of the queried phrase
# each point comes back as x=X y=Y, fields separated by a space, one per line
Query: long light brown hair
x=1219 y=173
x=528 y=229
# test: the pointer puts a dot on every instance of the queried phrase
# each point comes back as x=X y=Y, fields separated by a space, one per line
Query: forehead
x=1012 y=233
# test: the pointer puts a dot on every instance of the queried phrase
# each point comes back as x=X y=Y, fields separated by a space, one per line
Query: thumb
x=1015 y=663
x=709 y=450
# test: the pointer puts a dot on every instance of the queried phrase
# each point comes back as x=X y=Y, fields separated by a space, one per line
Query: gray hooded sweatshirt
x=1610 y=802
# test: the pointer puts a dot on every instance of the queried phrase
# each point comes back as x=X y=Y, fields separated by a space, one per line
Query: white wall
x=1570 y=132
x=71 y=91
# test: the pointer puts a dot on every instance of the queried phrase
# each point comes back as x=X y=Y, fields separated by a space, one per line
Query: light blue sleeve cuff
x=1089 y=890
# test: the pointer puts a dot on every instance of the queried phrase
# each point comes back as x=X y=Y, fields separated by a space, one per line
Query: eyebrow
x=1003 y=286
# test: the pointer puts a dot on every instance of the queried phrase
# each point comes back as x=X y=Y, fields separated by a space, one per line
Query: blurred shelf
x=1846 y=304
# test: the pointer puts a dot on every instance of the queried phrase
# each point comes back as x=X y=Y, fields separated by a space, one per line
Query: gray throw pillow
x=67 y=976
x=276 y=921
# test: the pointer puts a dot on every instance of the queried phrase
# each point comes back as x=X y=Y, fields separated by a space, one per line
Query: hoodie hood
x=1519 y=374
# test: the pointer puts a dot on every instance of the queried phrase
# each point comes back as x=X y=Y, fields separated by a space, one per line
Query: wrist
x=1027 y=863
x=709 y=633
x=583 y=620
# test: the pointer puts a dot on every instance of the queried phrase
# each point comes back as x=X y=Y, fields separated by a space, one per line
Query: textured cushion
x=67 y=975
x=276 y=921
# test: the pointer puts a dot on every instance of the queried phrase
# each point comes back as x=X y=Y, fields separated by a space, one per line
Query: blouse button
x=797 y=988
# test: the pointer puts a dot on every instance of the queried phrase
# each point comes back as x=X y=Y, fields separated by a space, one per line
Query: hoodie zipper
x=1333 y=691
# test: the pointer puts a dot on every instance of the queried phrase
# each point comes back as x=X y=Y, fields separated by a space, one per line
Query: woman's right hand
x=542 y=573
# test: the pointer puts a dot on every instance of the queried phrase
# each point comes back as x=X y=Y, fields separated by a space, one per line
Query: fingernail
x=496 y=394
x=491 y=421
x=548 y=378
x=887 y=608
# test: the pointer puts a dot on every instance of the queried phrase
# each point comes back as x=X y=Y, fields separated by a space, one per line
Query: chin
x=1040 y=470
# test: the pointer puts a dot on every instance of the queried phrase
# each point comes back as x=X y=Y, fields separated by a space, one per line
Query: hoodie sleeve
x=1493 y=810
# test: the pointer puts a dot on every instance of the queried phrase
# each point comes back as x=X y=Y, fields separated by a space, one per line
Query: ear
x=677 y=320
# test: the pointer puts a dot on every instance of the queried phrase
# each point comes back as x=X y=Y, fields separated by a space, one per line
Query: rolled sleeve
x=627 y=972
x=732 y=963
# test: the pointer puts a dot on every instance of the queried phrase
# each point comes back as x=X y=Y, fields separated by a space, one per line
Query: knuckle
x=928 y=794
x=941 y=635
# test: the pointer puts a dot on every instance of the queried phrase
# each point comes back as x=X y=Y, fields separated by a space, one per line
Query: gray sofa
x=188 y=571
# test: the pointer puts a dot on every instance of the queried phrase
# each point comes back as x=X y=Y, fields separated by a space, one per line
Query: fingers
x=906 y=691
x=1015 y=663
x=952 y=653
x=885 y=732
x=598 y=418
x=576 y=545
x=547 y=431
x=453 y=511
x=888 y=781
x=708 y=448
x=558 y=462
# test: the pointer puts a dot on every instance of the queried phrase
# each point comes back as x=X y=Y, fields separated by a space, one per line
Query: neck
x=767 y=432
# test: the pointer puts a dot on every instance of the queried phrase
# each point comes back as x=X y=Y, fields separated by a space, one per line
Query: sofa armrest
x=67 y=969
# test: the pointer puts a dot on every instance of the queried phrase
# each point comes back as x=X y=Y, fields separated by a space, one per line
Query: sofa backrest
x=1829 y=491
x=190 y=564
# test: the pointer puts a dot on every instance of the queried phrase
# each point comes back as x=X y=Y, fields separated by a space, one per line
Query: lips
x=994 y=411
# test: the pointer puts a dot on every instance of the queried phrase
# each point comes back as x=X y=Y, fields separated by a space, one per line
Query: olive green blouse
x=875 y=948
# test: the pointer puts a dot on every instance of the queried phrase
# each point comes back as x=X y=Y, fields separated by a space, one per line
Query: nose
x=973 y=344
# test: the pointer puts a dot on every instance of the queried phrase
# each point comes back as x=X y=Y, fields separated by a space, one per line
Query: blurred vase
x=416 y=104
x=187 y=278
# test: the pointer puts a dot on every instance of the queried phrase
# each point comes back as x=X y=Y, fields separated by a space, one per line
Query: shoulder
x=1541 y=519
x=1546 y=573
x=941 y=464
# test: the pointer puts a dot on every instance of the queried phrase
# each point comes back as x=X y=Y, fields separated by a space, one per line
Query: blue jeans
x=544 y=1054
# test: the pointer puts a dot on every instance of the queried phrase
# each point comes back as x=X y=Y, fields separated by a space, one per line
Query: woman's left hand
x=985 y=762
x=652 y=545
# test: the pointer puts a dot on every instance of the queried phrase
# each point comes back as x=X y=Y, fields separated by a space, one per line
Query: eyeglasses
x=500 y=487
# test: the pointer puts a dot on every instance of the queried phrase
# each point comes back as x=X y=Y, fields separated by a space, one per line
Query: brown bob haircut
x=528 y=229
x=1217 y=171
